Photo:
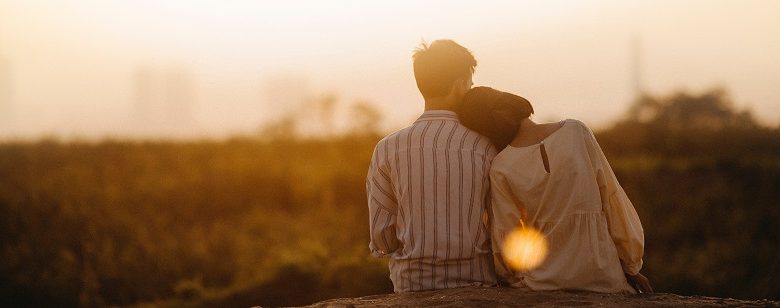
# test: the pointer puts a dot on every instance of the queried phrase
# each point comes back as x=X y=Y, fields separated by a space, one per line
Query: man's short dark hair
x=494 y=114
x=438 y=65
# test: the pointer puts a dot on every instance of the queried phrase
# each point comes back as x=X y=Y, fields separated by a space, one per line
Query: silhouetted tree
x=686 y=124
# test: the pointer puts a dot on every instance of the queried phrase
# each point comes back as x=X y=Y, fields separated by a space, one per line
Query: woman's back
x=567 y=190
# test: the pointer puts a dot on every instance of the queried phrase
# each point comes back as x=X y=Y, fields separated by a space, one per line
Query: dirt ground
x=507 y=297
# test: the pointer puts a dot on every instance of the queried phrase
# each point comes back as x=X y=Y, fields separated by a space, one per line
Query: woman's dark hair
x=494 y=114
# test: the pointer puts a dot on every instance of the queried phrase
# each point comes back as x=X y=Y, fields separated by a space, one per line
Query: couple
x=444 y=192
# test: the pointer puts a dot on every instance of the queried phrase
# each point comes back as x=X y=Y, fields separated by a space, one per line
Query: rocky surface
x=505 y=297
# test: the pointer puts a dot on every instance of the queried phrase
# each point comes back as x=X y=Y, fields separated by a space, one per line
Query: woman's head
x=494 y=114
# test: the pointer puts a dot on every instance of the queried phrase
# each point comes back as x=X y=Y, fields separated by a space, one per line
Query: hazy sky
x=73 y=67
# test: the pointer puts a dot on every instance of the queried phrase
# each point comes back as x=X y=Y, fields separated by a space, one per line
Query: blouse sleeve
x=625 y=228
x=505 y=216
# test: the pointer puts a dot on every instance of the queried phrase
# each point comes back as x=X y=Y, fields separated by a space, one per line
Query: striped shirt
x=428 y=195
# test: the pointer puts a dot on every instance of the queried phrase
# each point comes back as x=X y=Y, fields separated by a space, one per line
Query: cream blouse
x=593 y=231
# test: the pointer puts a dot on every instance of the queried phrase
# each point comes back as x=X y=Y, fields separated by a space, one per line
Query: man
x=428 y=184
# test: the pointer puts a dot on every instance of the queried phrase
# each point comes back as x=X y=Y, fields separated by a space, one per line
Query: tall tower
x=144 y=100
x=178 y=95
x=637 y=88
x=6 y=89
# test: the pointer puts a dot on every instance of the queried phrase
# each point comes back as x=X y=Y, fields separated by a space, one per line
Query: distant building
x=163 y=97
x=144 y=100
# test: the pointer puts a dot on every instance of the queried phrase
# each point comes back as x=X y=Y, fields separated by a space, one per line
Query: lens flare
x=524 y=249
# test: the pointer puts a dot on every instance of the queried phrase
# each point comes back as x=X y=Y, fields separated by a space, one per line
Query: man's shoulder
x=396 y=134
x=455 y=135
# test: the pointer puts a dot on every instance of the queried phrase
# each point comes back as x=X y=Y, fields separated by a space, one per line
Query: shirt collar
x=433 y=115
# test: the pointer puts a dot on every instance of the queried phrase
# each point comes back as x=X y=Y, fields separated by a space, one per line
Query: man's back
x=428 y=186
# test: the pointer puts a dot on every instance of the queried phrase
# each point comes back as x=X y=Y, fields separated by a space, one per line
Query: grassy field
x=283 y=221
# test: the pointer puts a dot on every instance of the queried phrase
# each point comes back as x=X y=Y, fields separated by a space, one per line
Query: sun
x=525 y=249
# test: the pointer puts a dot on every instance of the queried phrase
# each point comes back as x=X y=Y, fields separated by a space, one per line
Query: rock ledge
x=493 y=297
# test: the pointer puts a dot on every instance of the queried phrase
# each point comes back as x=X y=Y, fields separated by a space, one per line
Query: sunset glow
x=69 y=66
x=524 y=249
x=245 y=153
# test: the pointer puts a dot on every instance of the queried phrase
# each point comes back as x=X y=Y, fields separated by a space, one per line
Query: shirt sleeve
x=625 y=228
x=505 y=216
x=382 y=206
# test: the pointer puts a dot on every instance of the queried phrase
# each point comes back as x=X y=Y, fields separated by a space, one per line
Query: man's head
x=443 y=70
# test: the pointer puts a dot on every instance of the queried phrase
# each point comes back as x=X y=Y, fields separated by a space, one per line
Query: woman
x=555 y=178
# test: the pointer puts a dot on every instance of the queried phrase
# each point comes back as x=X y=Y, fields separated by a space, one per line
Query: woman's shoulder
x=500 y=160
x=507 y=160
x=576 y=122
x=578 y=126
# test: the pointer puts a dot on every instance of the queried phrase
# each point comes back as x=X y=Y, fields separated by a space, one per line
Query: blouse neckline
x=543 y=140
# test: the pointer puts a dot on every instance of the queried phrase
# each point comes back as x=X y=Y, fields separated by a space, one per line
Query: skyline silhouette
x=572 y=60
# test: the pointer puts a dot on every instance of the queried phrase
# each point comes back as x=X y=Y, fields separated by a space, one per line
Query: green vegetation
x=282 y=220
